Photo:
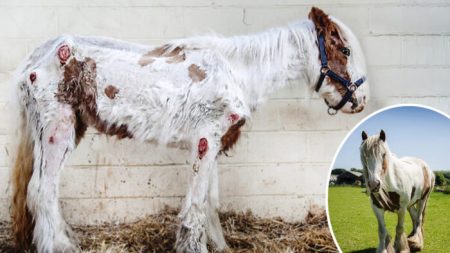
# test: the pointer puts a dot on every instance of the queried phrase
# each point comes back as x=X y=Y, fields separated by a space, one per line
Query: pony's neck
x=267 y=61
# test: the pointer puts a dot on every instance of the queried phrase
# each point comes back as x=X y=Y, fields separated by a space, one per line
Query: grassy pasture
x=355 y=225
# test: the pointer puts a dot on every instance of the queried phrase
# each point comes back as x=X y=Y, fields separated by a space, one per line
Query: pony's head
x=374 y=158
x=340 y=66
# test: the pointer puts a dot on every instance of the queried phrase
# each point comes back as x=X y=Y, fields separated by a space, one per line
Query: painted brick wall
x=281 y=164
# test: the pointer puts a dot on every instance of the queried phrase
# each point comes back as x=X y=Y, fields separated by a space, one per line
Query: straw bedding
x=244 y=232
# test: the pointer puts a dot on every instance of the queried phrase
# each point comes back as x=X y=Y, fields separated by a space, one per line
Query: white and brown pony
x=194 y=93
x=396 y=185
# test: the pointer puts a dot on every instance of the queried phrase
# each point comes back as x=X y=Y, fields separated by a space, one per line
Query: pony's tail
x=22 y=220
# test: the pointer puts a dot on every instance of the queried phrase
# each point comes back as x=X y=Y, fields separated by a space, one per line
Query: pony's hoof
x=223 y=248
x=66 y=249
x=415 y=244
x=190 y=241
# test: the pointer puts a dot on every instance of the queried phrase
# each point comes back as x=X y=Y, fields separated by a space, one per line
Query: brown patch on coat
x=384 y=166
x=80 y=127
x=111 y=91
x=196 y=73
x=177 y=59
x=145 y=60
x=230 y=138
x=392 y=204
x=22 y=220
x=175 y=55
x=79 y=89
x=426 y=183
x=334 y=42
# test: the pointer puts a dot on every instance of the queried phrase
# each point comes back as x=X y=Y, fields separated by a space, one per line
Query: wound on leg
x=63 y=53
x=234 y=117
x=202 y=147
x=33 y=77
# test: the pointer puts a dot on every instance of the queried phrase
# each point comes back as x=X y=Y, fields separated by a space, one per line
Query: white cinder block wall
x=280 y=166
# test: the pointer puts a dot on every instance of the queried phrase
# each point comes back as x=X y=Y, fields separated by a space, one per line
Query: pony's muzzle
x=374 y=186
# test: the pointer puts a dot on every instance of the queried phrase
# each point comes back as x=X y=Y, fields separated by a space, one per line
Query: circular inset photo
x=389 y=188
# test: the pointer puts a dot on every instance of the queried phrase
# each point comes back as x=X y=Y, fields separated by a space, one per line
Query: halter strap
x=326 y=71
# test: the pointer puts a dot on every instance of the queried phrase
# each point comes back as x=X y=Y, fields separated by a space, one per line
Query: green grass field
x=355 y=225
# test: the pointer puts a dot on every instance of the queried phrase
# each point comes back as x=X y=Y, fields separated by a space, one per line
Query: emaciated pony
x=194 y=93
x=396 y=185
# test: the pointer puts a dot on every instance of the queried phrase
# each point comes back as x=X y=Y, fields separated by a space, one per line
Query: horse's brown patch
x=196 y=73
x=111 y=91
x=426 y=183
x=392 y=204
x=79 y=89
x=334 y=42
x=146 y=60
x=80 y=127
x=384 y=166
x=175 y=55
x=230 y=138
x=177 y=58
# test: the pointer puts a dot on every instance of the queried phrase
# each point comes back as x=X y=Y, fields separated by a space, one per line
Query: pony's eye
x=345 y=51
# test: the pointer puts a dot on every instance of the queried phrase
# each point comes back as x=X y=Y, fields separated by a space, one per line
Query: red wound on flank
x=234 y=117
x=51 y=140
x=33 y=77
x=63 y=53
x=202 y=147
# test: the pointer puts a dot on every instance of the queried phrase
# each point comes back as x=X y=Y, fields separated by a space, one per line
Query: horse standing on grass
x=396 y=185
x=194 y=93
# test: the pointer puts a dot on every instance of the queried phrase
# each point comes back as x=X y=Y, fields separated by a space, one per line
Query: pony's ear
x=320 y=19
x=364 y=135
x=382 y=135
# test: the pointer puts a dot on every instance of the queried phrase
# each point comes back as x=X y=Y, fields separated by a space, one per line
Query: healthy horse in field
x=396 y=185
x=194 y=93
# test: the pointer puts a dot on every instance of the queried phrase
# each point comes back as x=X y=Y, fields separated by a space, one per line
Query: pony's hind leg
x=54 y=141
x=191 y=236
x=415 y=239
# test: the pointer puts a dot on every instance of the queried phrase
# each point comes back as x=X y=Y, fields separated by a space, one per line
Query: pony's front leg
x=214 y=229
x=401 y=242
x=191 y=236
x=384 y=245
x=54 y=141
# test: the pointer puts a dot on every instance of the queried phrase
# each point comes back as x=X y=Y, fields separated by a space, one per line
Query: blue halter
x=326 y=71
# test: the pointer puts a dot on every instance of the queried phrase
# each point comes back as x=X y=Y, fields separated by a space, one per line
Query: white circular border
x=345 y=140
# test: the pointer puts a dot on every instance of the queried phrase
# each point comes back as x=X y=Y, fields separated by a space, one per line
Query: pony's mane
x=374 y=147
x=266 y=52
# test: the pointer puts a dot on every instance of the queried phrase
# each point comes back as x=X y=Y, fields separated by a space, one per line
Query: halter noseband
x=326 y=71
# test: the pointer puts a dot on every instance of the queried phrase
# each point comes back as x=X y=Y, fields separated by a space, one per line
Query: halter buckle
x=324 y=70
x=331 y=111
x=352 y=87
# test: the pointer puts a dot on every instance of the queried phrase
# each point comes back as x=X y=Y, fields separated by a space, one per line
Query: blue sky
x=410 y=131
